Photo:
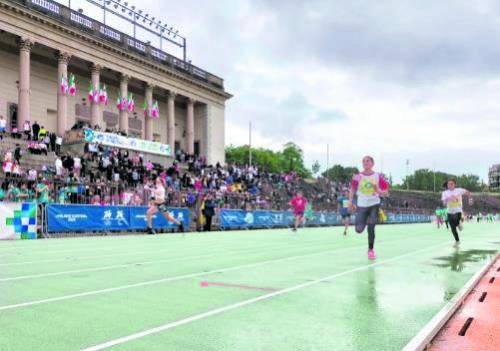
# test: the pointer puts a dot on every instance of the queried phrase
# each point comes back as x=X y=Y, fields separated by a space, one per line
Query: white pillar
x=62 y=99
x=123 y=122
x=148 y=120
x=23 y=113
x=171 y=121
x=96 y=116
x=190 y=127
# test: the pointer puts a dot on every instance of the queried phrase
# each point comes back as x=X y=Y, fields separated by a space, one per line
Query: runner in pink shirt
x=368 y=186
x=299 y=204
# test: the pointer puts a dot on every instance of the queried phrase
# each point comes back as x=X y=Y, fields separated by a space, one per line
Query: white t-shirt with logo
x=364 y=187
x=454 y=206
x=3 y=123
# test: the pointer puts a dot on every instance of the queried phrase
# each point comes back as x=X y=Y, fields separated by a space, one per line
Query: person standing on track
x=343 y=208
x=158 y=203
x=368 y=186
x=299 y=203
x=452 y=199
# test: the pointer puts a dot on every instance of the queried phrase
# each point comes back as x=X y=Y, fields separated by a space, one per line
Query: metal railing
x=76 y=19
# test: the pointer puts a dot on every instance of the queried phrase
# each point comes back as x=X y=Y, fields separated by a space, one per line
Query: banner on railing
x=18 y=221
x=269 y=219
x=85 y=218
x=119 y=141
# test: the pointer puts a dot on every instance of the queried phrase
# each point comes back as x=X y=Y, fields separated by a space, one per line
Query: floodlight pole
x=250 y=144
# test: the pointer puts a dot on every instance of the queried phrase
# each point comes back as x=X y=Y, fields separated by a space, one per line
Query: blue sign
x=270 y=219
x=138 y=219
x=78 y=218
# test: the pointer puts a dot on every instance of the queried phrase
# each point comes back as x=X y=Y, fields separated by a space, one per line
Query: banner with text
x=120 y=141
x=269 y=219
x=18 y=220
x=84 y=218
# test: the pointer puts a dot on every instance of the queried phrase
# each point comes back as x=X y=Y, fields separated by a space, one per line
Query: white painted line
x=125 y=265
x=220 y=310
x=72 y=259
x=430 y=330
x=164 y=280
x=169 y=249
x=105 y=268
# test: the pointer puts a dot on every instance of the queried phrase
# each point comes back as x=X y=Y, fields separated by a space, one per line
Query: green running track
x=242 y=290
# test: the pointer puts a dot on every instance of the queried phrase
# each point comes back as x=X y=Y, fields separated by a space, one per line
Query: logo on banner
x=249 y=218
x=114 y=140
x=20 y=221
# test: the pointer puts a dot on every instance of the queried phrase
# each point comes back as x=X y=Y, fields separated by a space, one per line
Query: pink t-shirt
x=299 y=204
x=364 y=186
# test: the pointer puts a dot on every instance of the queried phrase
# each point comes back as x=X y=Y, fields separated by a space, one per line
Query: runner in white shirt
x=452 y=199
x=156 y=204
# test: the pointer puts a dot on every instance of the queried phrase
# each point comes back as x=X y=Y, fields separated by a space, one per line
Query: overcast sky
x=399 y=79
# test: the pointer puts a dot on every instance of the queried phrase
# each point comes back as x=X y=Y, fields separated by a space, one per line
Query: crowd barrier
x=268 y=219
x=19 y=220
x=88 y=218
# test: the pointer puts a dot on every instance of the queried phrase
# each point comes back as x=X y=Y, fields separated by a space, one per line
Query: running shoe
x=456 y=245
x=294 y=229
x=371 y=255
x=151 y=231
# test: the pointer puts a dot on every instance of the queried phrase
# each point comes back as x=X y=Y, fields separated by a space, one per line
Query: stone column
x=123 y=122
x=23 y=111
x=190 y=127
x=171 y=121
x=148 y=120
x=96 y=116
x=62 y=99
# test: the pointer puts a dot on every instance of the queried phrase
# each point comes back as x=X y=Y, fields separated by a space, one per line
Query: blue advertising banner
x=77 y=218
x=269 y=219
x=138 y=218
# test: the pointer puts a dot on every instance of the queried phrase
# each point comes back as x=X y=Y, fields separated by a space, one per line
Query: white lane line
x=72 y=259
x=172 y=259
x=164 y=280
x=125 y=265
x=220 y=310
x=167 y=250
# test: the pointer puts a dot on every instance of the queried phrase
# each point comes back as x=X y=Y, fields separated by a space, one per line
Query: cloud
x=395 y=79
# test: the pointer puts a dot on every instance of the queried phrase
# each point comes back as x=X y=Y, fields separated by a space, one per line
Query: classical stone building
x=494 y=177
x=42 y=41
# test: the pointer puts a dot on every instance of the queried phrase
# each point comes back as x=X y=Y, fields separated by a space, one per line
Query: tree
x=291 y=158
x=428 y=180
x=315 y=167
x=339 y=173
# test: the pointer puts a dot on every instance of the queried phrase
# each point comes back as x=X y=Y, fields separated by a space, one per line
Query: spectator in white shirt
x=59 y=166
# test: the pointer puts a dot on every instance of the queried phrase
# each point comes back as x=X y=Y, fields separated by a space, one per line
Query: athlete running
x=452 y=199
x=156 y=204
x=298 y=204
x=439 y=217
x=343 y=209
x=368 y=186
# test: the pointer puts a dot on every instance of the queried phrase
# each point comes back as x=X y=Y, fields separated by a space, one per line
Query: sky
x=399 y=80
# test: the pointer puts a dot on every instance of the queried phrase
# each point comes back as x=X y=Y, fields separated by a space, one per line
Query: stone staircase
x=28 y=160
